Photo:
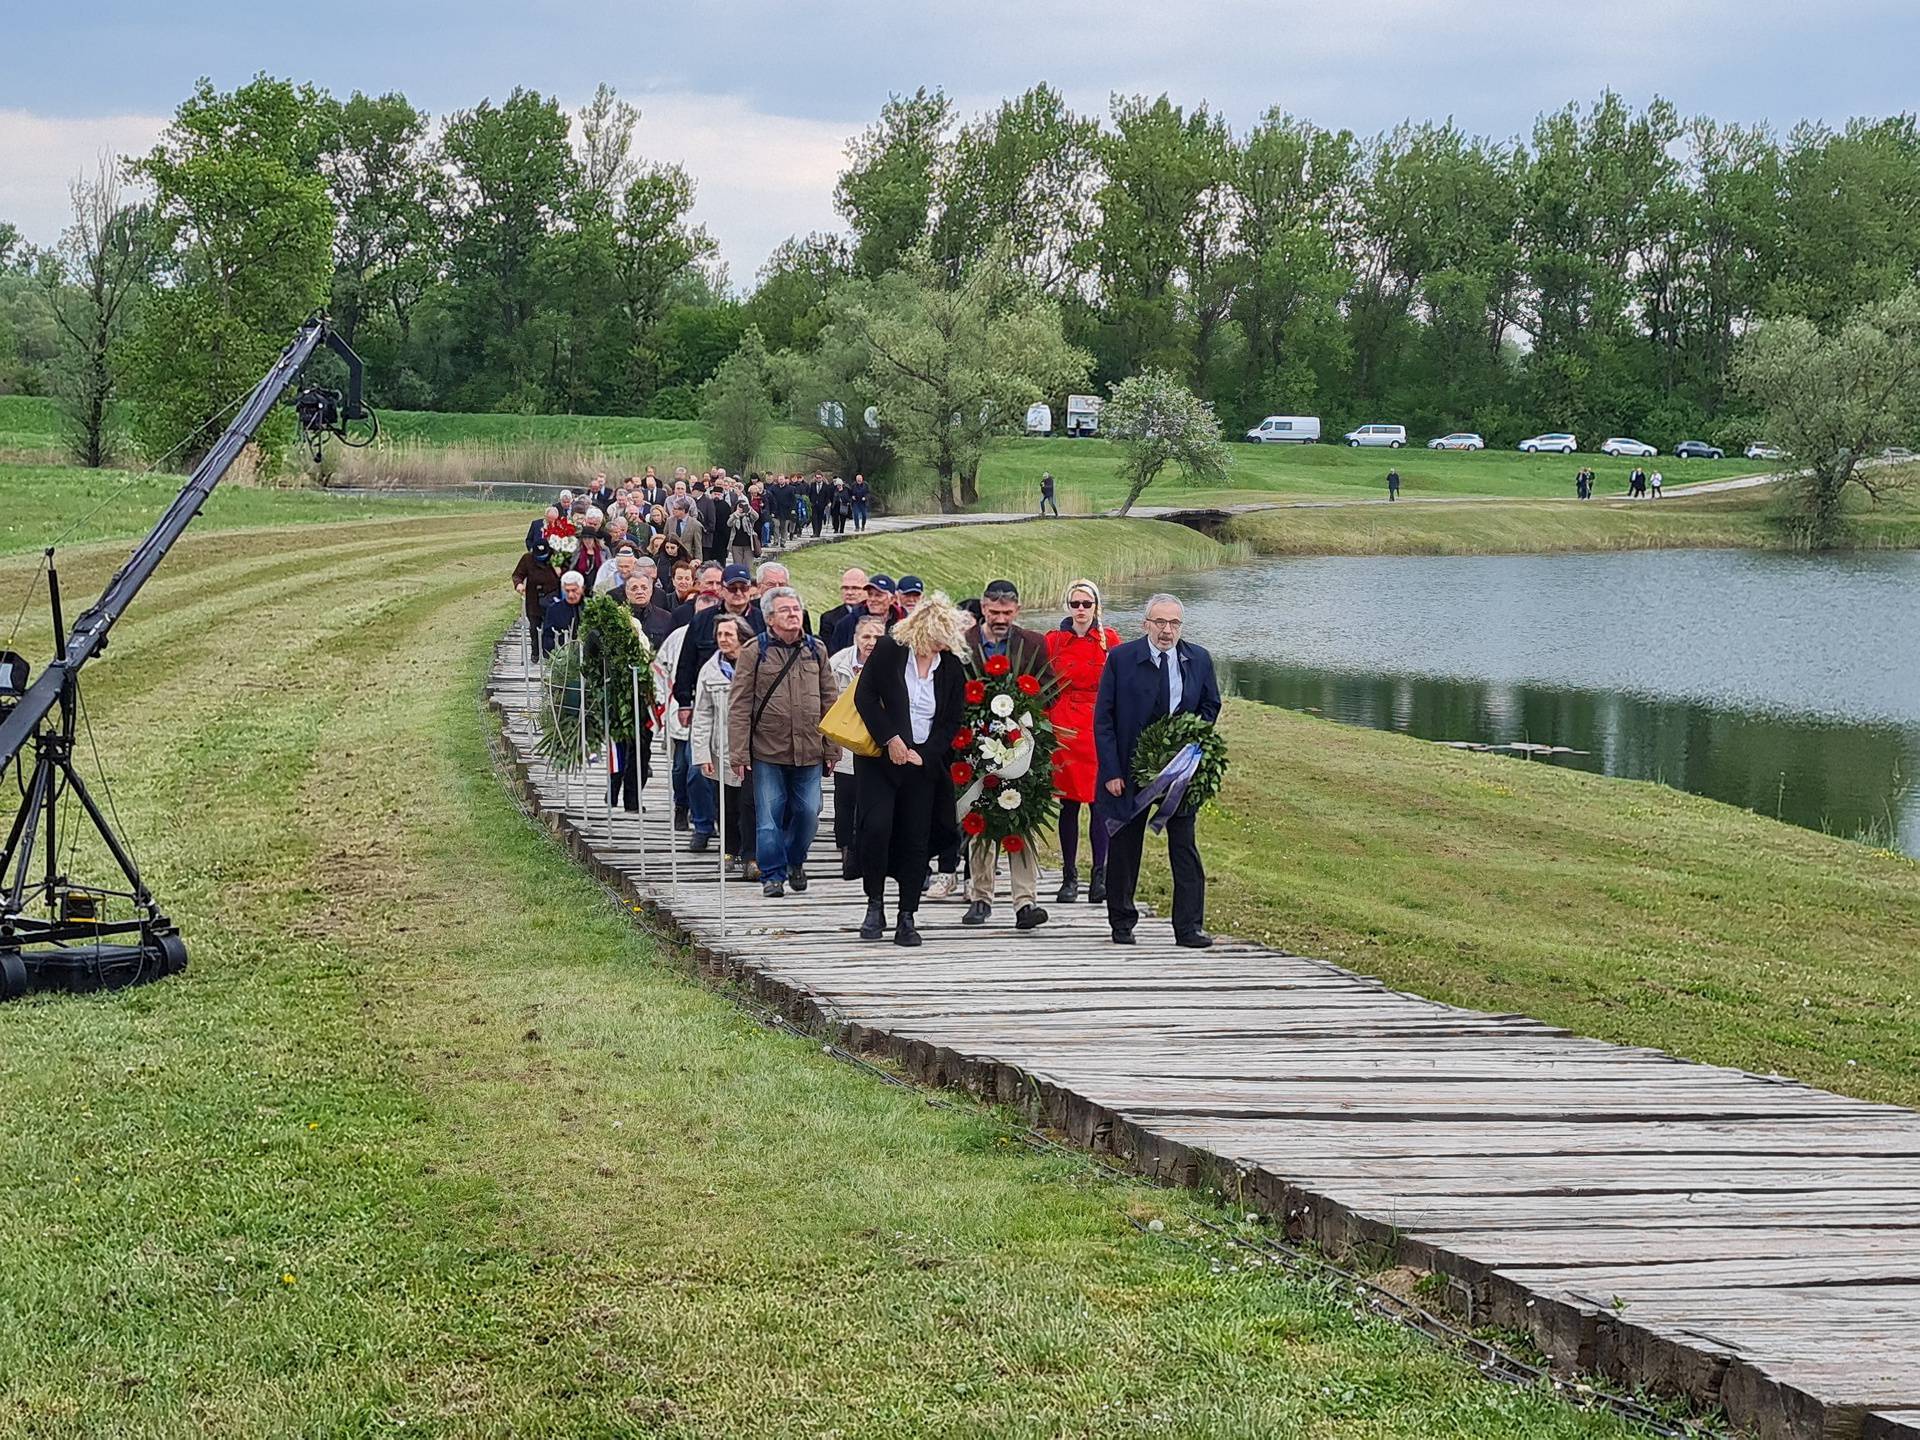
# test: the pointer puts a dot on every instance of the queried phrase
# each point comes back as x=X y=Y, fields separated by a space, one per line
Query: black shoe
x=1097 y=886
x=849 y=867
x=797 y=880
x=700 y=843
x=875 y=922
x=1123 y=937
x=977 y=913
x=1068 y=892
x=903 y=931
x=682 y=820
x=1029 y=917
x=773 y=889
x=1198 y=940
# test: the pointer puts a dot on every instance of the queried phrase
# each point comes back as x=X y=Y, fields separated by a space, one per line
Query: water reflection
x=1790 y=689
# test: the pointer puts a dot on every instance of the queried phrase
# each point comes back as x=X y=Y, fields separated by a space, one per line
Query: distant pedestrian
x=1047 y=500
x=1654 y=481
x=861 y=496
x=1393 y=483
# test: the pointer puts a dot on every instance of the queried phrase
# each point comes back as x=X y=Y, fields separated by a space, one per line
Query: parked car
x=1554 y=443
x=1623 y=445
x=1897 y=453
x=1698 y=450
x=1763 y=450
x=1458 y=440
x=1286 y=430
x=1392 y=436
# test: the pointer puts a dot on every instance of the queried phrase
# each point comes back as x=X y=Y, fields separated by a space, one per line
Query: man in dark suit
x=998 y=633
x=1146 y=679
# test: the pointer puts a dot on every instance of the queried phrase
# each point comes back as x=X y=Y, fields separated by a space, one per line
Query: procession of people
x=960 y=737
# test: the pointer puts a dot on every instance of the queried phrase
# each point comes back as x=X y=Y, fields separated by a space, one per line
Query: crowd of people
x=745 y=675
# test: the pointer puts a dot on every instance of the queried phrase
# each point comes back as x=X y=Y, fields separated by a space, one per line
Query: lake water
x=1786 y=684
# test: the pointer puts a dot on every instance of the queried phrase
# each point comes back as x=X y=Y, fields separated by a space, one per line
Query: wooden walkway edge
x=1745 y=1241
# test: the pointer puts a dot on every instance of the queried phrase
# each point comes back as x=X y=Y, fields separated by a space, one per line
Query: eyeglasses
x=1079 y=604
x=1173 y=624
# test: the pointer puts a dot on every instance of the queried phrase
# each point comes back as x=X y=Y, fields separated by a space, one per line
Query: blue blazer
x=1129 y=691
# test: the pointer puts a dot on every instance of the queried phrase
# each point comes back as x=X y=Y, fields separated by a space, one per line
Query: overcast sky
x=757 y=98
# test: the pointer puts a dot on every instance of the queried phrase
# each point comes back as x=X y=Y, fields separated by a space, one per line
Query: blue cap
x=735 y=574
x=881 y=582
x=912 y=585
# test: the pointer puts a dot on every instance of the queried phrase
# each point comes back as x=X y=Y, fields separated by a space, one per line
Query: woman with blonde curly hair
x=1078 y=649
x=911 y=696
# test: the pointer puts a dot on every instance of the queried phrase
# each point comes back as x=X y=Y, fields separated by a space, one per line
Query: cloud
x=45 y=155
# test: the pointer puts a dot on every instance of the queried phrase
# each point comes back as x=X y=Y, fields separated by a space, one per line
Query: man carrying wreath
x=1147 y=680
x=999 y=644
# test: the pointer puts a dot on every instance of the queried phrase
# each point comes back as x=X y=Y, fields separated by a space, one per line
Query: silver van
x=1391 y=436
x=1286 y=430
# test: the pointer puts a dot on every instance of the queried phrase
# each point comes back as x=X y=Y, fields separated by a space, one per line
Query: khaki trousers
x=1023 y=872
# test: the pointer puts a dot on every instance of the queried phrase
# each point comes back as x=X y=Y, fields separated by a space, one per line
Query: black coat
x=1026 y=649
x=700 y=646
x=1130 y=693
x=557 y=624
x=880 y=695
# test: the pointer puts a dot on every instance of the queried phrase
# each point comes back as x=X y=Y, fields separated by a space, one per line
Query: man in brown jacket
x=998 y=633
x=783 y=684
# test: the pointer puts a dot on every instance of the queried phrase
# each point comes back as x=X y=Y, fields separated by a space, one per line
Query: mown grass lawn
x=431 y=1139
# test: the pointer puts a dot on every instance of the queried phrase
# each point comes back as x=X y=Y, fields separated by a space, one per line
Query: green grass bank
x=430 y=1139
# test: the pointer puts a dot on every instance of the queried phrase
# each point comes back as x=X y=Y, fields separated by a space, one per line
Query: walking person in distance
x=1158 y=675
x=1047 y=499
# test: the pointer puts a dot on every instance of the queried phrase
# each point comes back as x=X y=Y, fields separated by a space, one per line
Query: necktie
x=1165 y=704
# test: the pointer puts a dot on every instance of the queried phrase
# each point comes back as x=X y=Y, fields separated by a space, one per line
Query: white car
x=1555 y=443
x=1761 y=450
x=1391 y=436
x=1459 y=440
x=1621 y=445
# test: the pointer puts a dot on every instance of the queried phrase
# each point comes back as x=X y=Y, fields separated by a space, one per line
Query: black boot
x=876 y=921
x=1069 y=890
x=1097 y=886
x=903 y=931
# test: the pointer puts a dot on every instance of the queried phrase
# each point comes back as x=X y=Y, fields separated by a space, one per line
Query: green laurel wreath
x=605 y=685
x=1164 y=738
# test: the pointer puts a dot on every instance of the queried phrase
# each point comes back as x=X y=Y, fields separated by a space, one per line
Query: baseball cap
x=882 y=582
x=735 y=575
x=912 y=585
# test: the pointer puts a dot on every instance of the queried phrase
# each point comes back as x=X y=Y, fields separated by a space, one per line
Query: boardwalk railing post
x=720 y=773
x=606 y=741
x=584 y=766
x=635 y=669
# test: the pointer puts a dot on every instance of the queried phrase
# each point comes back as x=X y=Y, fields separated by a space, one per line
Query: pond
x=1785 y=684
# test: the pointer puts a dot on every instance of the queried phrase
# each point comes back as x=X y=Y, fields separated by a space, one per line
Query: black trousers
x=896 y=827
x=623 y=785
x=1123 y=874
x=737 y=804
x=846 y=811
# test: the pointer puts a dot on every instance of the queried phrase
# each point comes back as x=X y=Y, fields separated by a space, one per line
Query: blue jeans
x=703 y=799
x=786 y=810
x=682 y=767
x=859 y=514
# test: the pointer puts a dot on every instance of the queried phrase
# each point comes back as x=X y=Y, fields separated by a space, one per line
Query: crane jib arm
x=90 y=630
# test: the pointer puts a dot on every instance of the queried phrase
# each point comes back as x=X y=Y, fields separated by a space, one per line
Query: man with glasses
x=700 y=646
x=1158 y=675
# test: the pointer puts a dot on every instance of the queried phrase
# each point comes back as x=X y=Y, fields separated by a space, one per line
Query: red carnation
x=963 y=737
x=992 y=782
x=974 y=823
x=962 y=773
x=976 y=692
x=998 y=665
x=1029 y=684
x=1012 y=737
x=1013 y=844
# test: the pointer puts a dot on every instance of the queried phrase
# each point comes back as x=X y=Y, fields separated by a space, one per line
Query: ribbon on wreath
x=1167 y=790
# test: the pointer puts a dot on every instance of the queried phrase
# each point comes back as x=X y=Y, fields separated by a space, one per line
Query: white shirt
x=920 y=701
x=1161 y=659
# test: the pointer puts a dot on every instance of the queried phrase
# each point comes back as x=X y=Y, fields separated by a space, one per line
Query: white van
x=1392 y=436
x=1083 y=415
x=1039 y=419
x=1286 y=430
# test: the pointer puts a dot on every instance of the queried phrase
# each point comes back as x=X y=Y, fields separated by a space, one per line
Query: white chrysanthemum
x=1002 y=706
x=1009 y=800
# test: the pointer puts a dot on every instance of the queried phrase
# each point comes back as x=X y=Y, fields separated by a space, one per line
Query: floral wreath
x=1003 y=756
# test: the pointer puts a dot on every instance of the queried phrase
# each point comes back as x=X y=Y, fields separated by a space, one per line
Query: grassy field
x=430 y=1139
x=1739 y=518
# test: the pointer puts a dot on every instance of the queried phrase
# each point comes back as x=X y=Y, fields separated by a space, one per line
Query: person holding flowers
x=910 y=698
x=1007 y=697
x=1078 y=649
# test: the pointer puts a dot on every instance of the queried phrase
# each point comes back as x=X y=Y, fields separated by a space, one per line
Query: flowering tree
x=1156 y=422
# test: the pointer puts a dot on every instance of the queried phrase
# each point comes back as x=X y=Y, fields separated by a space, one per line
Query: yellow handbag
x=844 y=727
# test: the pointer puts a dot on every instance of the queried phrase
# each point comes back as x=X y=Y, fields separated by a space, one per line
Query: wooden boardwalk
x=1744 y=1240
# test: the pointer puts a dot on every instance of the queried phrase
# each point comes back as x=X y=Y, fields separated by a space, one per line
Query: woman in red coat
x=1078 y=650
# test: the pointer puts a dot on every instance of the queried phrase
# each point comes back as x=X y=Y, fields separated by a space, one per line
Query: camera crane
x=56 y=933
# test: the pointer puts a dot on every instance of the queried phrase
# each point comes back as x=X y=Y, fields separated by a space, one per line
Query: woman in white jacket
x=711 y=691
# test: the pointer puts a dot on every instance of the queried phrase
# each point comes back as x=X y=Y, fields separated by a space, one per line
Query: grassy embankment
x=430 y=1139
x=1618 y=909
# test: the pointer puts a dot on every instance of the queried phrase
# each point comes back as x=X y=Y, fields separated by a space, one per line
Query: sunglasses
x=738 y=587
x=1079 y=604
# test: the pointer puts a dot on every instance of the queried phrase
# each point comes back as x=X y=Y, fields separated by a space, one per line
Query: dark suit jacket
x=1129 y=694
x=880 y=695
x=1027 y=649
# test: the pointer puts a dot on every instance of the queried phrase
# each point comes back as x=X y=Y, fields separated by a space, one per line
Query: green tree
x=1155 y=421
x=1849 y=219
x=790 y=302
x=894 y=172
x=93 y=280
x=384 y=190
x=736 y=405
x=828 y=391
x=950 y=368
x=1834 y=399
x=245 y=231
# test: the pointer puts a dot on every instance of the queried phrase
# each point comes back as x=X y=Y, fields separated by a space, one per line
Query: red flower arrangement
x=963 y=737
x=974 y=823
x=1013 y=844
x=1006 y=721
x=998 y=665
x=1028 y=684
x=976 y=692
x=992 y=781
x=962 y=773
